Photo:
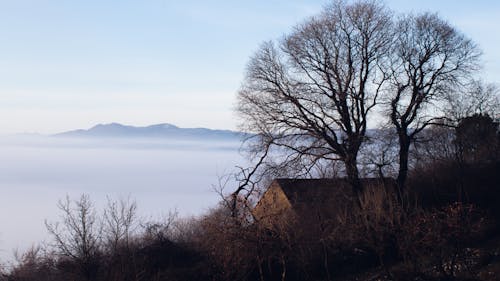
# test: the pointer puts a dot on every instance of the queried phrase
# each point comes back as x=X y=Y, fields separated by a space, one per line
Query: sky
x=67 y=64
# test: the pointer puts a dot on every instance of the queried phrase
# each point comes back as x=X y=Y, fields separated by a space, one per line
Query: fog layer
x=161 y=175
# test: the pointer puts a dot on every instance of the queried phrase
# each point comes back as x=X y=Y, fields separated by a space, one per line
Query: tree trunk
x=325 y=261
x=353 y=178
x=283 y=268
x=259 y=264
x=404 y=150
x=353 y=174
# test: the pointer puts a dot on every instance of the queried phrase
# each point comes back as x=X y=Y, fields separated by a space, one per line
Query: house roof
x=312 y=199
x=306 y=191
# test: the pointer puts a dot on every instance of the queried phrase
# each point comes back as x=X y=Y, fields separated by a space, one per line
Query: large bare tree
x=309 y=95
x=429 y=60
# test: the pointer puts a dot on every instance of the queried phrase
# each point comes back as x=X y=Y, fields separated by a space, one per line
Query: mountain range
x=165 y=130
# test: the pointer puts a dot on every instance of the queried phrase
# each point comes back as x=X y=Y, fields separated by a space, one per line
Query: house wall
x=273 y=205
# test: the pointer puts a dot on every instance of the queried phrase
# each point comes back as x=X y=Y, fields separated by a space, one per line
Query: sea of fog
x=160 y=175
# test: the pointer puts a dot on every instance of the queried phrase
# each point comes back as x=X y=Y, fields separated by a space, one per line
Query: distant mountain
x=116 y=130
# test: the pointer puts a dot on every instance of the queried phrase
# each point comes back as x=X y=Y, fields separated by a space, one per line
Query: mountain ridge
x=118 y=130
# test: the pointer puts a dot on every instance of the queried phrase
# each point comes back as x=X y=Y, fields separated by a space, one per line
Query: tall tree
x=310 y=94
x=429 y=59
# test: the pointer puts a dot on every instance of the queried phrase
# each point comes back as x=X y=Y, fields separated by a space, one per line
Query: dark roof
x=316 y=200
x=307 y=191
x=311 y=190
x=327 y=196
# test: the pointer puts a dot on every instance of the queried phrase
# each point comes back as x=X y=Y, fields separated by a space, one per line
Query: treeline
x=448 y=229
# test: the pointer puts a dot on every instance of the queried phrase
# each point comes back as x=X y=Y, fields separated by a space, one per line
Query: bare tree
x=310 y=94
x=429 y=59
x=478 y=98
x=78 y=236
x=119 y=222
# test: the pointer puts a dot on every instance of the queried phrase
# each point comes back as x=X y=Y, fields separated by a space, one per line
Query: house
x=313 y=202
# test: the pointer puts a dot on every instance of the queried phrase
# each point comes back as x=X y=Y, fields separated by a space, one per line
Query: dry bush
x=77 y=238
x=436 y=242
x=34 y=264
x=226 y=242
x=380 y=217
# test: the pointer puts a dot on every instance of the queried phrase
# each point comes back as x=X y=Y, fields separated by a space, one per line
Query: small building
x=313 y=202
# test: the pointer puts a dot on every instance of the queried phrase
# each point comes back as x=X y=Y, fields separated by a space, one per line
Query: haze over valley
x=163 y=174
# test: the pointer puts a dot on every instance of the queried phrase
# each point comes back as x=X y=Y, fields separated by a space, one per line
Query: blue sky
x=71 y=64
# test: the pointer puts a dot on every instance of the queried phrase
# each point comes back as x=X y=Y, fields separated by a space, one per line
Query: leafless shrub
x=435 y=242
x=119 y=223
x=36 y=263
x=77 y=238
